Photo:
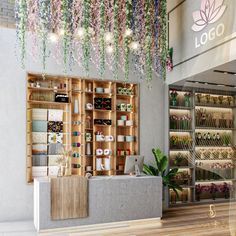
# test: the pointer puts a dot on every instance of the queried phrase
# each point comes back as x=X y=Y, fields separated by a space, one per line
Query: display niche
x=202 y=145
x=97 y=120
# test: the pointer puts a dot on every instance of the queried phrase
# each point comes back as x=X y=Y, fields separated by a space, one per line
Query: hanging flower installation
x=121 y=35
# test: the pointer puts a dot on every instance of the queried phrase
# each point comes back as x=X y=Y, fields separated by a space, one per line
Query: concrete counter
x=111 y=198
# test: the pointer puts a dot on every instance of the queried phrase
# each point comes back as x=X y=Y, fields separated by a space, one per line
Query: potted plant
x=213 y=191
x=198 y=191
x=199 y=98
x=173 y=98
x=187 y=102
x=225 y=189
x=160 y=168
x=208 y=98
x=178 y=159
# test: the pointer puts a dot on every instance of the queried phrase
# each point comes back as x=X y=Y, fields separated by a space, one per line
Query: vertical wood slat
x=69 y=197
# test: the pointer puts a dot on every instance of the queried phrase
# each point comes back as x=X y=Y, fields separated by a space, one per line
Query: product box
x=39 y=171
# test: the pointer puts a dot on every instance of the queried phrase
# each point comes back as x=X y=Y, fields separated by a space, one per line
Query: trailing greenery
x=161 y=169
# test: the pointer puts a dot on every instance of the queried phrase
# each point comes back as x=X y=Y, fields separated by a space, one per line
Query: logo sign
x=210 y=12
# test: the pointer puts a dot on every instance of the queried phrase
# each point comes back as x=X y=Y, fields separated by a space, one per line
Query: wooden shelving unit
x=218 y=137
x=79 y=128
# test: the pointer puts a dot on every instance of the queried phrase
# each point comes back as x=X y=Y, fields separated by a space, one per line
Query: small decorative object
x=120 y=138
x=198 y=190
x=55 y=127
x=214 y=100
x=76 y=106
x=199 y=98
x=107 y=152
x=129 y=107
x=124 y=117
x=129 y=122
x=55 y=138
x=178 y=159
x=89 y=87
x=89 y=106
x=230 y=100
x=187 y=102
x=61 y=98
x=107 y=90
x=99 y=152
x=220 y=98
x=129 y=138
x=173 y=197
x=76 y=133
x=88 y=149
x=98 y=164
x=225 y=189
x=169 y=60
x=184 y=196
x=99 y=90
x=88 y=175
x=120 y=90
x=213 y=190
x=100 y=138
x=120 y=167
x=107 y=164
x=208 y=98
x=37 y=84
x=76 y=144
x=76 y=154
x=64 y=163
x=121 y=107
x=120 y=122
x=109 y=138
x=88 y=168
x=88 y=137
x=173 y=98
x=88 y=121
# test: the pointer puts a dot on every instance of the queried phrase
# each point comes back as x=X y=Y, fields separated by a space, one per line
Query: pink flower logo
x=210 y=12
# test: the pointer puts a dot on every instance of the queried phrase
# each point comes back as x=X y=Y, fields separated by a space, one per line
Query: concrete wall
x=16 y=197
x=7 y=13
x=190 y=60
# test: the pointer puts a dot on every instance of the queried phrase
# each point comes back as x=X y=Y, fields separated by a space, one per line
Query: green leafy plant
x=161 y=169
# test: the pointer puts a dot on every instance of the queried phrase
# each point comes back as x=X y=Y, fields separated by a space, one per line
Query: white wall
x=16 y=197
x=182 y=38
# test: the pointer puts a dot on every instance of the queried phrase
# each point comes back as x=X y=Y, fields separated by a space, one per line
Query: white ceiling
x=213 y=77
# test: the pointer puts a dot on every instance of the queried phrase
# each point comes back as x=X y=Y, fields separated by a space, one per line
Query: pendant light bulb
x=134 y=45
x=91 y=31
x=108 y=37
x=128 y=32
x=53 y=37
x=109 y=49
x=61 y=32
x=80 y=32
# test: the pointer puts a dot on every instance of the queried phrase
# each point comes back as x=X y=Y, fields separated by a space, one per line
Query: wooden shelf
x=212 y=146
x=76 y=90
x=192 y=154
x=214 y=106
x=181 y=130
x=47 y=103
x=124 y=96
x=214 y=180
x=98 y=110
x=125 y=111
x=213 y=128
x=48 y=89
x=180 y=108
x=181 y=167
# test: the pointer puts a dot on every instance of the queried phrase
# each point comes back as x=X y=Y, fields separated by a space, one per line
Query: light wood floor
x=184 y=221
